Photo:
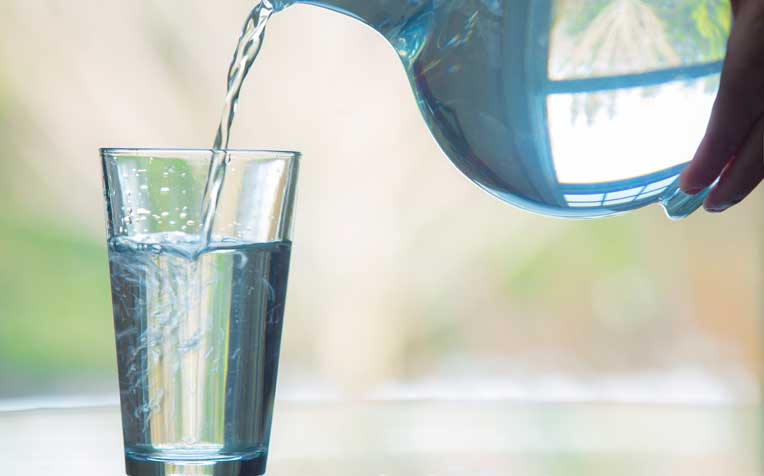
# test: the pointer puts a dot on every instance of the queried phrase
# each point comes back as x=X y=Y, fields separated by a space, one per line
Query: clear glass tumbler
x=198 y=322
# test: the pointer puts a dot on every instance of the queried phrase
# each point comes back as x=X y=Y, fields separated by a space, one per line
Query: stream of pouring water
x=247 y=50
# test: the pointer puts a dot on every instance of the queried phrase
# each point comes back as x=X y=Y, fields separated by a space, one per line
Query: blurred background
x=407 y=281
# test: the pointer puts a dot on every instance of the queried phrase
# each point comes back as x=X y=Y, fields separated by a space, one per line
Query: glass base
x=251 y=467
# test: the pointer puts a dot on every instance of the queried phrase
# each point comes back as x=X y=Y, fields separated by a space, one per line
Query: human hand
x=733 y=147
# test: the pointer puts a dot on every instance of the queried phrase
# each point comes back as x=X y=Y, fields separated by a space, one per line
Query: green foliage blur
x=54 y=303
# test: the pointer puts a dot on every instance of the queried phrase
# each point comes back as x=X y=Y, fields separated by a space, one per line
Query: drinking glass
x=198 y=321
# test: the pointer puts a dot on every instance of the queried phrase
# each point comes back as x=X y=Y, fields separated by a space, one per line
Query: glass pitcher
x=570 y=108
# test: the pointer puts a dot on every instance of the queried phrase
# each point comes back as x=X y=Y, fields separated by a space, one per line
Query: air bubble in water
x=144 y=187
x=164 y=214
x=164 y=189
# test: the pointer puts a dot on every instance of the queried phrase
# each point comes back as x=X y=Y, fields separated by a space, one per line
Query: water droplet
x=164 y=189
x=164 y=214
x=190 y=222
x=183 y=192
x=172 y=222
x=183 y=214
x=183 y=174
x=144 y=187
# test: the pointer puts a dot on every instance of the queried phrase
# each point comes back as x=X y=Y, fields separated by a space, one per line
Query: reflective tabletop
x=428 y=438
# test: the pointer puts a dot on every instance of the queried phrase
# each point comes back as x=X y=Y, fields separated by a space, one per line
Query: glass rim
x=256 y=154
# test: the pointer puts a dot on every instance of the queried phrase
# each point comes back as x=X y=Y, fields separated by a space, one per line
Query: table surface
x=429 y=438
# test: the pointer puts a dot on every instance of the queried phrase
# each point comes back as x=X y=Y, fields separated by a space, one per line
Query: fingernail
x=723 y=207
x=693 y=190
x=718 y=208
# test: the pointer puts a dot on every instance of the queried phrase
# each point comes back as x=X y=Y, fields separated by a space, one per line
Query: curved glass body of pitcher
x=572 y=108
